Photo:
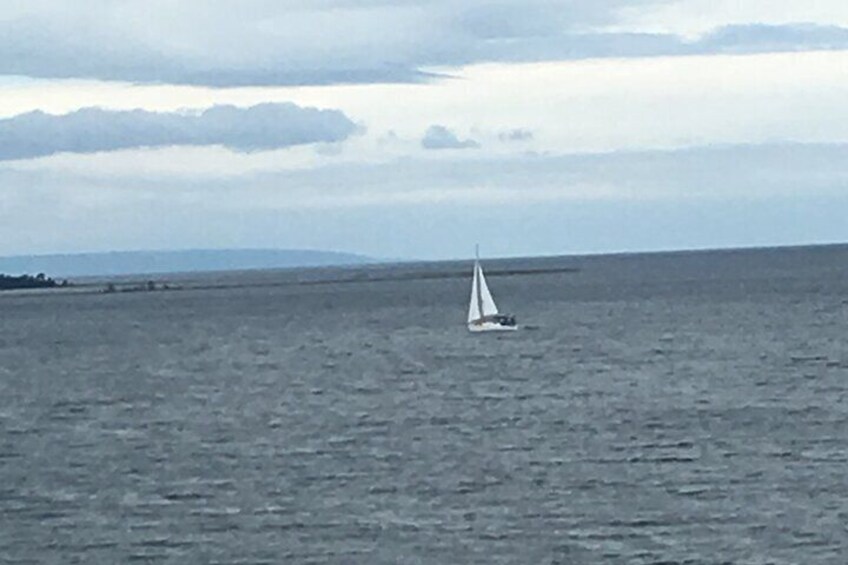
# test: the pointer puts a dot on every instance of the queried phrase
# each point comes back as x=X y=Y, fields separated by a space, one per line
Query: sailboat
x=483 y=313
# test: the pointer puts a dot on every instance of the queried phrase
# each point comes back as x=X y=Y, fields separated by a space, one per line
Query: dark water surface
x=683 y=408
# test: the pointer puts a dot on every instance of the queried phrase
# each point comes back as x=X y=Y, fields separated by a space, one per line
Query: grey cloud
x=744 y=39
x=286 y=43
x=759 y=37
x=339 y=41
x=440 y=137
x=261 y=127
x=519 y=134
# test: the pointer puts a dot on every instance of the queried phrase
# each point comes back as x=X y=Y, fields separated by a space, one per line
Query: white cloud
x=604 y=105
x=587 y=106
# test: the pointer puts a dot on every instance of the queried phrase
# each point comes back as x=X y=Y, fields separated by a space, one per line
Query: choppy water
x=686 y=408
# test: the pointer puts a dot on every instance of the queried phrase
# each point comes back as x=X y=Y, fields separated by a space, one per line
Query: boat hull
x=490 y=327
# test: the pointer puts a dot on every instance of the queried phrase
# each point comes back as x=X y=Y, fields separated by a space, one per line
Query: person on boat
x=506 y=319
x=500 y=319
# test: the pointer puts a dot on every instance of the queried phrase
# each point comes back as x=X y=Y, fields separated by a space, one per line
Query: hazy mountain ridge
x=197 y=260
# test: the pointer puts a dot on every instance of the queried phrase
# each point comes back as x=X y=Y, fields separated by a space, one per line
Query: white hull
x=490 y=327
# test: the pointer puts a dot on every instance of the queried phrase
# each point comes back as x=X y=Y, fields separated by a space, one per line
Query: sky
x=415 y=129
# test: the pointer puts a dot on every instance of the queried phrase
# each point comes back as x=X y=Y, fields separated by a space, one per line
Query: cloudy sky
x=412 y=128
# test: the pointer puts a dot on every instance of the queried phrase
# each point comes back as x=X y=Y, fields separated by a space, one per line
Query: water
x=683 y=408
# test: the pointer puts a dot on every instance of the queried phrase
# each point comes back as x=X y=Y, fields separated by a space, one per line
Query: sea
x=675 y=408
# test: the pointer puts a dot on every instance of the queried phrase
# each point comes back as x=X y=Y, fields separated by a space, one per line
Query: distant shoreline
x=375 y=271
x=159 y=264
x=150 y=263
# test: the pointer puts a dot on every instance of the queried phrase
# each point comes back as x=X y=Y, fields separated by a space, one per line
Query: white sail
x=488 y=303
x=474 y=306
x=482 y=303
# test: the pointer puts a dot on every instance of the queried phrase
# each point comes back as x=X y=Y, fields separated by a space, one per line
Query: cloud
x=340 y=41
x=519 y=134
x=759 y=37
x=440 y=137
x=49 y=211
x=697 y=18
x=730 y=171
x=90 y=130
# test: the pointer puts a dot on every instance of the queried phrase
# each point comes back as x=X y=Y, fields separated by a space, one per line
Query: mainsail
x=482 y=304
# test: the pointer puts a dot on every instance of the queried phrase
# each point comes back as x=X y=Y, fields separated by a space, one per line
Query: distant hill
x=150 y=262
